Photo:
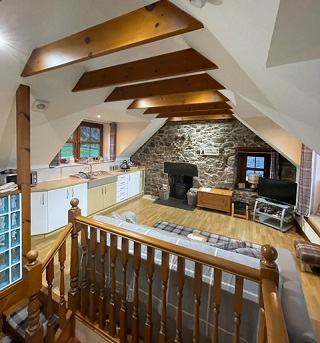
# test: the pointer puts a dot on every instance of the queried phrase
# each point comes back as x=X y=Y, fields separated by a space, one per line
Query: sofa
x=298 y=323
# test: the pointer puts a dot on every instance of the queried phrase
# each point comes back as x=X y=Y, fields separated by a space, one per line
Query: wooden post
x=73 y=295
x=268 y=270
x=33 y=273
x=23 y=162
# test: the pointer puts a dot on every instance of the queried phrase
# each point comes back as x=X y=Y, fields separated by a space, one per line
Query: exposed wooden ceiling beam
x=178 y=99
x=144 y=25
x=193 y=113
x=184 y=84
x=151 y=68
x=200 y=117
x=191 y=107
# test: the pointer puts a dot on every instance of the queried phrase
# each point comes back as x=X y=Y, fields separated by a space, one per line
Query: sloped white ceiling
x=267 y=53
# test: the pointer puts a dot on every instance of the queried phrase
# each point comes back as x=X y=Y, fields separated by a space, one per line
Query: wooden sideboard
x=215 y=199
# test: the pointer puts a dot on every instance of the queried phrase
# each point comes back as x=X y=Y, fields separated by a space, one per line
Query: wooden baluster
x=84 y=294
x=50 y=311
x=197 y=296
x=73 y=295
x=150 y=271
x=135 y=314
x=123 y=309
x=164 y=279
x=180 y=284
x=112 y=306
x=33 y=270
x=102 y=298
x=216 y=296
x=62 y=304
x=92 y=314
x=237 y=308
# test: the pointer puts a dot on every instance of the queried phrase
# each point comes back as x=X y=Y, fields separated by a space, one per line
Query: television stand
x=274 y=213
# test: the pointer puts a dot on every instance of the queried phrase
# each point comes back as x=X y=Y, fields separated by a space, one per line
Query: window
x=86 y=141
x=253 y=162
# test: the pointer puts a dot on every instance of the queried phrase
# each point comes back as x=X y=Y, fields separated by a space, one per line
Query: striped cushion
x=308 y=252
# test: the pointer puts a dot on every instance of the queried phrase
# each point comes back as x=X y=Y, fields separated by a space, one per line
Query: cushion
x=128 y=216
x=231 y=245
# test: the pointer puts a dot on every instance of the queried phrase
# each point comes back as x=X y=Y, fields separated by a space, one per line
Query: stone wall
x=184 y=142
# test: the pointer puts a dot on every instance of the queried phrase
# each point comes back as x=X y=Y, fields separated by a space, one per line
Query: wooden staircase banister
x=57 y=245
x=209 y=260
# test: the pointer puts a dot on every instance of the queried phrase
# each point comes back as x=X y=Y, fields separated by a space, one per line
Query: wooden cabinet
x=49 y=209
x=215 y=199
x=101 y=197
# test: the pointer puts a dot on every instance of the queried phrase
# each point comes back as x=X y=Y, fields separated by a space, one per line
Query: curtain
x=274 y=165
x=305 y=182
x=113 y=141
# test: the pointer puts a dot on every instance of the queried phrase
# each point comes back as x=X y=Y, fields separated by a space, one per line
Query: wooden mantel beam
x=194 y=113
x=184 y=84
x=151 y=68
x=185 y=108
x=147 y=24
x=178 y=99
x=200 y=117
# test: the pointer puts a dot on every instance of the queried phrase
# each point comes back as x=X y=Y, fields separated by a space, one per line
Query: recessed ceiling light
x=98 y=115
x=40 y=105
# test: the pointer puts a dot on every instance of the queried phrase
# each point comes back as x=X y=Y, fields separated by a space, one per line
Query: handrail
x=275 y=322
x=57 y=245
x=197 y=256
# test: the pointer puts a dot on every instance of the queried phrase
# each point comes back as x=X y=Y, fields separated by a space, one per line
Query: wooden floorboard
x=148 y=213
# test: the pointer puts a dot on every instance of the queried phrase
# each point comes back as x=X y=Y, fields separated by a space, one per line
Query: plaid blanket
x=18 y=320
x=218 y=241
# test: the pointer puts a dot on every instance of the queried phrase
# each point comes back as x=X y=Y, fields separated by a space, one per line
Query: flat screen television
x=283 y=191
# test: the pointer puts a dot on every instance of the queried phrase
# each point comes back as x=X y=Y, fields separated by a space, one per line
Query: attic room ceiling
x=267 y=54
x=150 y=23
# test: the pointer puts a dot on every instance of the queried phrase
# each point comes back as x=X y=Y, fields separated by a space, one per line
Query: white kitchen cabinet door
x=58 y=206
x=133 y=184
x=80 y=192
x=39 y=213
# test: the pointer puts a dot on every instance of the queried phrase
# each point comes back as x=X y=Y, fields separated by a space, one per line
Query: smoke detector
x=40 y=105
x=198 y=3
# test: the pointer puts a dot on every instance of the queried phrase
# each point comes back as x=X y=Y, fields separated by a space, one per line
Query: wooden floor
x=148 y=213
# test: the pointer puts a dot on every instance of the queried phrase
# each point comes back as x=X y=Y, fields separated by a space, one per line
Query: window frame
x=76 y=141
x=242 y=155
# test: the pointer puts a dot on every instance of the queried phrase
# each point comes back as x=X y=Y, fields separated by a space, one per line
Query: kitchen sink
x=96 y=178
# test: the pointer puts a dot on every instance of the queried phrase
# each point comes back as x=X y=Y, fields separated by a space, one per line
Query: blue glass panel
x=15 y=272
x=4 y=223
x=15 y=203
x=4 y=260
x=4 y=241
x=4 y=205
x=15 y=220
x=4 y=278
x=15 y=237
x=15 y=255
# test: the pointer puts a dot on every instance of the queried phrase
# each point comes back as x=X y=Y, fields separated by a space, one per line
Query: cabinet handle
x=102 y=191
x=42 y=199
x=105 y=190
x=72 y=192
x=67 y=193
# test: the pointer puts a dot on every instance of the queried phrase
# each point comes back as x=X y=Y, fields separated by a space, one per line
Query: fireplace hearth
x=180 y=176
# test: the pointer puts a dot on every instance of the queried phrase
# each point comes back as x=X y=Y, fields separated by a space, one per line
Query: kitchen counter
x=57 y=183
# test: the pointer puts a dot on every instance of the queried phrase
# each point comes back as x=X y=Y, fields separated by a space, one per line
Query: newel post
x=268 y=270
x=73 y=295
x=32 y=272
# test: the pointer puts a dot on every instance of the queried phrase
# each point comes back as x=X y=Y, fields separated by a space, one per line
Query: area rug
x=177 y=203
